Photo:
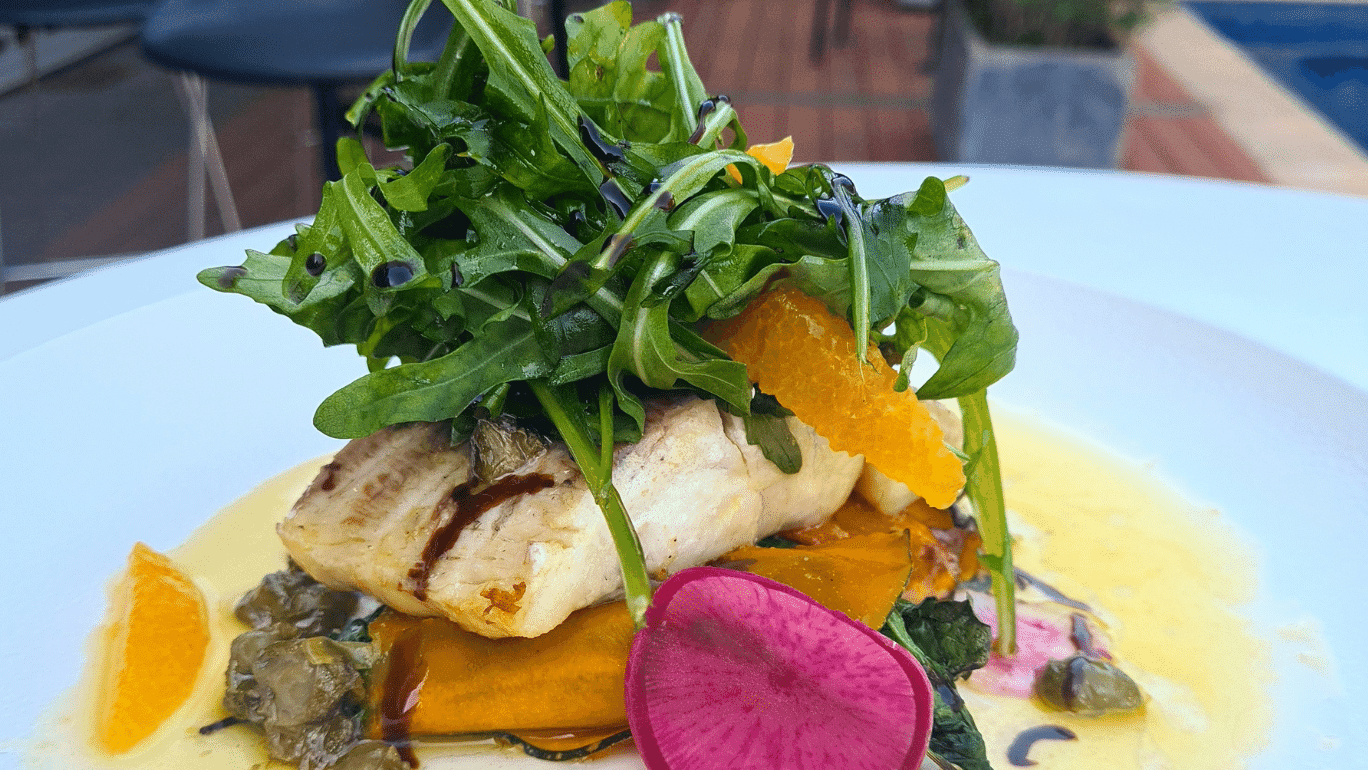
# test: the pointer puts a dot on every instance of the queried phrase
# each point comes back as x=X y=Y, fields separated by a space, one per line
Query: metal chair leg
x=206 y=162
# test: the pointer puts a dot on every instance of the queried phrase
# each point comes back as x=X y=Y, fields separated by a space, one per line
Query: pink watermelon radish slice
x=736 y=671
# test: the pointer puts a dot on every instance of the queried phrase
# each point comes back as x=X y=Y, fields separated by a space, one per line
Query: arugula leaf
x=521 y=75
x=960 y=291
x=434 y=390
x=767 y=427
x=608 y=74
x=646 y=348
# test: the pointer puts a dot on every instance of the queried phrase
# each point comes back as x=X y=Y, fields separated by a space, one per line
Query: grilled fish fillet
x=395 y=516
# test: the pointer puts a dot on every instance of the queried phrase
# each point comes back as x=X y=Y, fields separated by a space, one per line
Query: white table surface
x=137 y=402
x=1284 y=268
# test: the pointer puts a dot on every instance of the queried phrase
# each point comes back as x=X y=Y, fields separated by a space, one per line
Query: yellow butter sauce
x=1166 y=577
x=225 y=557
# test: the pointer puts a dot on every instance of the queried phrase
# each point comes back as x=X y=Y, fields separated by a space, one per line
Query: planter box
x=1027 y=106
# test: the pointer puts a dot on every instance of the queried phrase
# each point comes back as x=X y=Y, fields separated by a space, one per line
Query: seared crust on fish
x=395 y=515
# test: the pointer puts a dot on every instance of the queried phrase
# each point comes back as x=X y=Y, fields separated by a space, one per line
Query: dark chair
x=321 y=44
x=41 y=14
x=28 y=15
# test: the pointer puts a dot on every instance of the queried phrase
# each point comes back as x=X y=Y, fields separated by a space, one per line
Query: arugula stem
x=984 y=487
x=721 y=116
x=687 y=86
x=568 y=415
x=407 y=24
x=458 y=45
x=858 y=264
x=606 y=427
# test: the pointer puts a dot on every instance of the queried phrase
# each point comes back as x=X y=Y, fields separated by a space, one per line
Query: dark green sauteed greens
x=553 y=245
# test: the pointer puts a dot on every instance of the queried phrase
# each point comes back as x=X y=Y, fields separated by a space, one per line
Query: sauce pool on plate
x=1164 y=577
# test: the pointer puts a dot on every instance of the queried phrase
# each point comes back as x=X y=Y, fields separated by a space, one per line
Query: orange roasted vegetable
x=861 y=576
x=775 y=155
x=936 y=570
x=571 y=679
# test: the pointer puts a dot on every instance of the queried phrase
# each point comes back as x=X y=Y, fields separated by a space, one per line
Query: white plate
x=141 y=425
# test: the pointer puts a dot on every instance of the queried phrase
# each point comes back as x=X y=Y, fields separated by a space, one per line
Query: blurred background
x=106 y=150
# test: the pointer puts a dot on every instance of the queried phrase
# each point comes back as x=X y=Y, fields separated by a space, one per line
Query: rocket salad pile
x=555 y=247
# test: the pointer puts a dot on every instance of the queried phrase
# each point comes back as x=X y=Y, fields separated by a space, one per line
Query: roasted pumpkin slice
x=937 y=566
x=570 y=679
x=862 y=575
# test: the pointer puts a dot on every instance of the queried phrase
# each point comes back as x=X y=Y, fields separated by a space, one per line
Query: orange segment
x=801 y=354
x=774 y=155
x=154 y=649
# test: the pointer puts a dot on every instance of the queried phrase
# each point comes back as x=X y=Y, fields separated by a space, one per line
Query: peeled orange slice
x=801 y=354
x=154 y=648
x=776 y=156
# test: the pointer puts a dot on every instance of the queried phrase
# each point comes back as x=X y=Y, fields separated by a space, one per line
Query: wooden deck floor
x=865 y=100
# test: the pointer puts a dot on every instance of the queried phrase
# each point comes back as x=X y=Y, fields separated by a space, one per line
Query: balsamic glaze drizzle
x=404 y=677
x=1082 y=637
x=1017 y=753
x=465 y=507
x=391 y=274
x=604 y=152
x=230 y=275
x=1024 y=579
x=615 y=197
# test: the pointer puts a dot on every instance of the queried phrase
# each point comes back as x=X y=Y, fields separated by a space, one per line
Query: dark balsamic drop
x=1082 y=637
x=950 y=697
x=392 y=274
x=830 y=209
x=604 y=151
x=315 y=264
x=1018 y=752
x=617 y=245
x=214 y=727
x=399 y=694
x=615 y=197
x=706 y=108
x=229 y=277
x=457 y=278
x=665 y=202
